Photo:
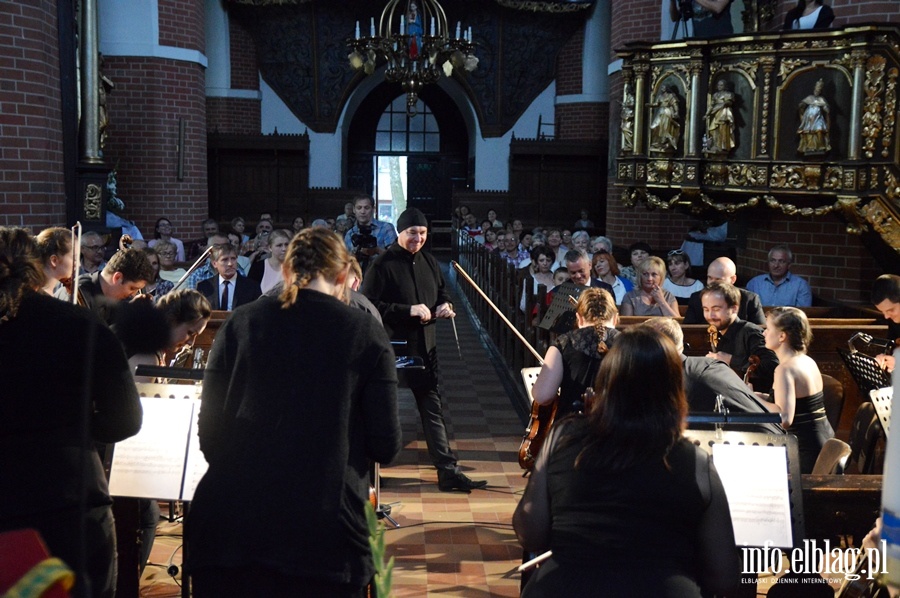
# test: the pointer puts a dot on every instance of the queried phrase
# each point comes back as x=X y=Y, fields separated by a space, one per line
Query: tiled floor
x=448 y=544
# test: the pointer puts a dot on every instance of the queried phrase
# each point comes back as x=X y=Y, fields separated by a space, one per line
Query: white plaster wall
x=132 y=29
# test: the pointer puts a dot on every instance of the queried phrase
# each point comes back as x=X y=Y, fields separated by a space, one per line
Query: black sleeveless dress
x=812 y=429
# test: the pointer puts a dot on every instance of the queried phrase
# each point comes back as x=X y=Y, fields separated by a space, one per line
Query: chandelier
x=416 y=45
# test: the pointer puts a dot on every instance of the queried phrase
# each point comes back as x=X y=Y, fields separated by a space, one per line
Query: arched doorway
x=405 y=160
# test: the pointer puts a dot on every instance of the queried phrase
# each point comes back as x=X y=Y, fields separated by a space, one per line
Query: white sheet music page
x=196 y=462
x=151 y=463
x=755 y=481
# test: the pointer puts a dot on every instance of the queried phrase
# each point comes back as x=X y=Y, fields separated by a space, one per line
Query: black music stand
x=865 y=371
x=560 y=316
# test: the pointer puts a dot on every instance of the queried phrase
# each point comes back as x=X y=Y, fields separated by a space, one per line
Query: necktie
x=224 y=303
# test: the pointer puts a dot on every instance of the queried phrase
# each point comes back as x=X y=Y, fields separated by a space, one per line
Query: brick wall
x=233 y=116
x=244 y=68
x=569 y=66
x=582 y=121
x=150 y=97
x=31 y=181
x=181 y=24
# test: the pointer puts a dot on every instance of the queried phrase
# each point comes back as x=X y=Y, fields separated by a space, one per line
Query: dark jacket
x=396 y=281
x=750 y=309
x=705 y=378
x=244 y=289
x=743 y=339
x=823 y=21
x=295 y=404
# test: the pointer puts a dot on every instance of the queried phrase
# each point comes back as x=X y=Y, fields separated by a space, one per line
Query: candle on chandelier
x=432 y=26
x=357 y=30
x=470 y=35
x=372 y=27
x=402 y=24
x=458 y=28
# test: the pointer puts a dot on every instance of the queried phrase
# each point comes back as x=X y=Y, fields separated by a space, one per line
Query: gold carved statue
x=664 y=128
x=719 y=138
x=815 y=122
x=627 y=120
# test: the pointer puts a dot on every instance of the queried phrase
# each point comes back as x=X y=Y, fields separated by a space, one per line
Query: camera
x=364 y=239
x=686 y=8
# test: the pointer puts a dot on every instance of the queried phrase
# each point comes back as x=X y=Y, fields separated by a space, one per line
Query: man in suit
x=706 y=378
x=229 y=289
x=738 y=339
x=724 y=270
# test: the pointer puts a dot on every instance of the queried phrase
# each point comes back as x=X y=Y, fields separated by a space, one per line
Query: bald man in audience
x=723 y=270
x=706 y=378
x=886 y=297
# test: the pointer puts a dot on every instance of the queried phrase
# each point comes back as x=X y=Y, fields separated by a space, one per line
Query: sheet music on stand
x=865 y=371
x=882 y=398
x=761 y=476
x=560 y=316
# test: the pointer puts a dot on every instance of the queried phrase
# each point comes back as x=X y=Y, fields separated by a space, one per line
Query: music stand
x=865 y=371
x=881 y=399
x=560 y=316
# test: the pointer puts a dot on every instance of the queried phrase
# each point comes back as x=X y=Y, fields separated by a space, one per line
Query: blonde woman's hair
x=313 y=252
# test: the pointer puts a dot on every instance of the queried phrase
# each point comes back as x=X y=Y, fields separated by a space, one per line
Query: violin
x=539 y=425
x=752 y=365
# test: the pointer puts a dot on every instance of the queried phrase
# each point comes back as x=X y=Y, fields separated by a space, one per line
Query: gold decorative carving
x=848 y=207
x=871 y=118
x=626 y=119
x=715 y=174
x=640 y=172
x=626 y=171
x=891 y=185
x=630 y=197
x=815 y=123
x=811 y=175
x=873 y=178
x=845 y=61
x=789 y=65
x=678 y=172
x=730 y=208
x=768 y=64
x=850 y=179
x=659 y=171
x=746 y=175
x=862 y=179
x=890 y=111
x=794 y=45
x=93 y=195
x=787 y=177
x=833 y=177
x=690 y=173
x=883 y=223
x=792 y=210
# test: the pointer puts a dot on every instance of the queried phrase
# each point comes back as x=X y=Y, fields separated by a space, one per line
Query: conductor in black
x=407 y=286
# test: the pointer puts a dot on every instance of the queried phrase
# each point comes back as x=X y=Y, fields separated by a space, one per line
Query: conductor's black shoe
x=456 y=480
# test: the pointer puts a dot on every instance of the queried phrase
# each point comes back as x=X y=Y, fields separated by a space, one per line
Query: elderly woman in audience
x=55 y=248
x=797 y=388
x=622 y=494
x=571 y=363
x=539 y=240
x=267 y=272
x=605 y=268
x=167 y=270
x=582 y=240
x=601 y=243
x=679 y=283
x=649 y=298
x=239 y=226
x=163 y=232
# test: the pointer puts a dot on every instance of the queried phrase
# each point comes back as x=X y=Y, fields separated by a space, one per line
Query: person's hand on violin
x=886 y=362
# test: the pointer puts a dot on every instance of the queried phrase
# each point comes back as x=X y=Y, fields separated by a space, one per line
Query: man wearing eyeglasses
x=92 y=253
x=780 y=286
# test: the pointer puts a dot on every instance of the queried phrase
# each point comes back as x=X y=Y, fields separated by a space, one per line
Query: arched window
x=399 y=132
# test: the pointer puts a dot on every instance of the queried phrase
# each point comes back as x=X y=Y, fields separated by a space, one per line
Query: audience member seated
x=705 y=379
x=492 y=218
x=490 y=241
x=538 y=239
x=167 y=271
x=541 y=271
x=565 y=236
x=239 y=225
x=639 y=252
x=621 y=494
x=299 y=223
x=571 y=364
x=798 y=388
x=510 y=251
x=93 y=253
x=525 y=238
x=679 y=283
x=601 y=243
x=127 y=272
x=205 y=270
x=814 y=14
x=347 y=215
x=606 y=269
x=723 y=270
x=554 y=242
x=157 y=286
x=518 y=228
x=228 y=290
x=163 y=232
x=736 y=339
x=485 y=227
x=195 y=248
x=886 y=298
x=584 y=223
x=780 y=286
x=470 y=225
x=579 y=267
x=649 y=298
x=268 y=271
x=55 y=248
x=581 y=240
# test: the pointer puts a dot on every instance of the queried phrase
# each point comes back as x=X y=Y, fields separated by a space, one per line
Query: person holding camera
x=368 y=237
x=709 y=18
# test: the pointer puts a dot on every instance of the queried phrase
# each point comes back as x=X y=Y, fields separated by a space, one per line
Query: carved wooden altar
x=801 y=122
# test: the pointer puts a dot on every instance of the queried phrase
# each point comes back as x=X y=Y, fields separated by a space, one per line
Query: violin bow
x=76 y=260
